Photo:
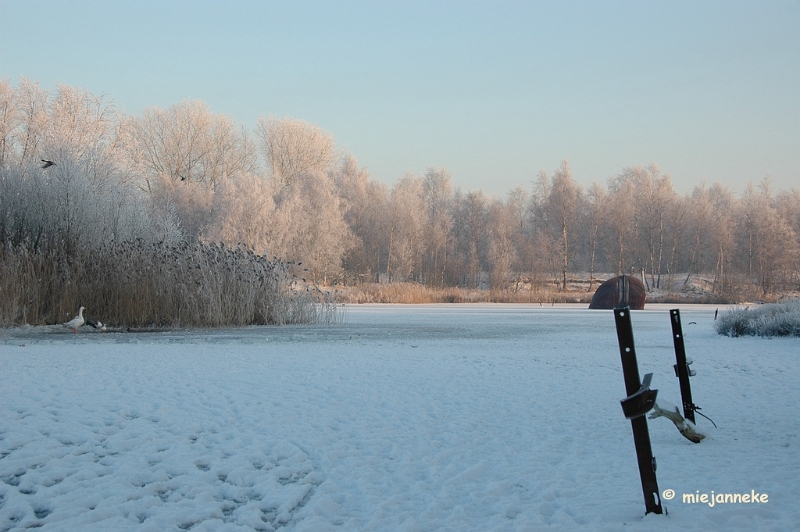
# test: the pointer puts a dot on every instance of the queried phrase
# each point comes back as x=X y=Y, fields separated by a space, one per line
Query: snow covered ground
x=461 y=417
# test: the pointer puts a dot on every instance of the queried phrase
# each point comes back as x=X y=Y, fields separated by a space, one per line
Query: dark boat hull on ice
x=622 y=291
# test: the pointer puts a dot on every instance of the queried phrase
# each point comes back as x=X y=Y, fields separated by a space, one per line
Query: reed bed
x=415 y=293
x=142 y=284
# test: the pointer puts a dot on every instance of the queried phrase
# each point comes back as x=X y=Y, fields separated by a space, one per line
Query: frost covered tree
x=9 y=120
x=596 y=199
x=79 y=122
x=91 y=208
x=621 y=216
x=81 y=202
x=182 y=154
x=32 y=116
x=787 y=203
x=365 y=205
x=560 y=214
x=722 y=236
x=293 y=148
x=653 y=195
x=503 y=256
x=188 y=143
x=310 y=227
x=437 y=191
x=694 y=230
x=520 y=207
x=244 y=213
x=766 y=237
x=406 y=221
x=471 y=237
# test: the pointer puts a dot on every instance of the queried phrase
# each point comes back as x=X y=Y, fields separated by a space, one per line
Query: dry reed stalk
x=141 y=284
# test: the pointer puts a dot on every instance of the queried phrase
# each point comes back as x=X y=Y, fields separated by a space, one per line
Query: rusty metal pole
x=639 y=401
x=682 y=370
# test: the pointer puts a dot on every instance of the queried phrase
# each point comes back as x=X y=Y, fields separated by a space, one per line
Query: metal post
x=639 y=401
x=682 y=370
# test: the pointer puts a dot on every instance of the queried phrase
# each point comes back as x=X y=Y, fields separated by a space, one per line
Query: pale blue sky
x=493 y=91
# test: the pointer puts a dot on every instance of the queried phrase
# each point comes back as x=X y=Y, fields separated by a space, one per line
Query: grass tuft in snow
x=774 y=319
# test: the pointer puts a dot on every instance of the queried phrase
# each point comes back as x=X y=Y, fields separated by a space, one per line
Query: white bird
x=77 y=321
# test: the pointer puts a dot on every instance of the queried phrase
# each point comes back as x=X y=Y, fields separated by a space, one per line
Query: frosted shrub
x=76 y=204
x=774 y=319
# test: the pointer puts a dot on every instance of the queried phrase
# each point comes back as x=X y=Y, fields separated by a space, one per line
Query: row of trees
x=187 y=174
x=423 y=229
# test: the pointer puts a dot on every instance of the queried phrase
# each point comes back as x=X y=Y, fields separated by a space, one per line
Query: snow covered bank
x=468 y=417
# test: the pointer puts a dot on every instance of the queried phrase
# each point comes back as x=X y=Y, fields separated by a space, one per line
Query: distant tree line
x=186 y=175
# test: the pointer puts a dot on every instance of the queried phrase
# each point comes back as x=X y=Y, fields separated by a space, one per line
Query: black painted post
x=682 y=370
x=639 y=401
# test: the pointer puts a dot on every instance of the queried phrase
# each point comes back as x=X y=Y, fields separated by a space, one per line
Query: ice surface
x=462 y=417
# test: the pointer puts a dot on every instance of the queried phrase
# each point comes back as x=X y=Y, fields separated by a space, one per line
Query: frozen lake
x=420 y=417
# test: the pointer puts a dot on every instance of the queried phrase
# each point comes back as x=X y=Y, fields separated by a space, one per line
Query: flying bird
x=47 y=164
x=77 y=321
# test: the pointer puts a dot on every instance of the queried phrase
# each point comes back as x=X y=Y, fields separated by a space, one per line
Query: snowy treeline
x=286 y=190
x=427 y=231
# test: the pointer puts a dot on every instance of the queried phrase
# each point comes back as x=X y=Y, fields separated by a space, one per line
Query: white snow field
x=423 y=417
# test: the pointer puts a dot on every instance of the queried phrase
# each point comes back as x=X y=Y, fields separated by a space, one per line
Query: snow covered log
x=684 y=427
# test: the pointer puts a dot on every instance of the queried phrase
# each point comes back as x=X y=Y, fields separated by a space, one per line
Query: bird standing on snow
x=77 y=321
x=47 y=164
x=96 y=324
